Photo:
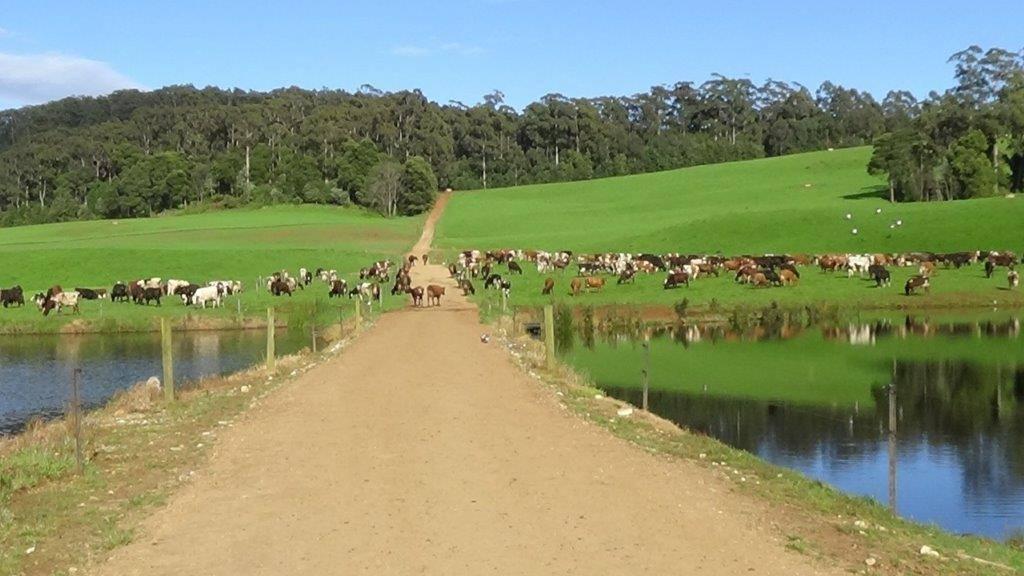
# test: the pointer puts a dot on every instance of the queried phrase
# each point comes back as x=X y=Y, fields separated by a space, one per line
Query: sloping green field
x=229 y=245
x=792 y=203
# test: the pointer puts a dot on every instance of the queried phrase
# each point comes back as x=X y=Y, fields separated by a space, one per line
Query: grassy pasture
x=792 y=203
x=233 y=245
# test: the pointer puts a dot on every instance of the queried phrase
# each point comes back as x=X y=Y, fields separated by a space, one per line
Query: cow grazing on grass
x=514 y=268
x=926 y=269
x=506 y=288
x=11 y=296
x=1013 y=279
x=467 y=287
x=549 y=285
x=880 y=275
x=119 y=293
x=594 y=283
x=417 y=296
x=280 y=287
x=90 y=294
x=338 y=288
x=492 y=281
x=576 y=286
x=434 y=293
x=627 y=276
x=915 y=282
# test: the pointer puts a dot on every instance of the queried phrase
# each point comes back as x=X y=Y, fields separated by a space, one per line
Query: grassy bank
x=791 y=203
x=230 y=245
x=138 y=450
x=856 y=534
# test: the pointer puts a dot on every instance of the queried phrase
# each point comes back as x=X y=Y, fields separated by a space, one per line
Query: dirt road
x=421 y=450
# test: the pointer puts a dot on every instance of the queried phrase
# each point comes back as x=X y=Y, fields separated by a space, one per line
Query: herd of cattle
x=592 y=271
x=682 y=269
x=143 y=292
x=153 y=290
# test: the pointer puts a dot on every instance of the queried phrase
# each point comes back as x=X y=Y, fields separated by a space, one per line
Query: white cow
x=212 y=294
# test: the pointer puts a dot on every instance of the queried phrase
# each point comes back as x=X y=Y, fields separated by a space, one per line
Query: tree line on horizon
x=138 y=153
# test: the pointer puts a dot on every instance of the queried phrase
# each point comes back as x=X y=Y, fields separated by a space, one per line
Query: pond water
x=816 y=399
x=35 y=371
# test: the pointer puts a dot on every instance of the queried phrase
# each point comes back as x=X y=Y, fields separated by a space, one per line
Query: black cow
x=150 y=295
x=119 y=293
x=879 y=274
x=514 y=268
x=11 y=296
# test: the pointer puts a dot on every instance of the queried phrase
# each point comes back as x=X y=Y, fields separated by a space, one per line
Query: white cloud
x=416 y=51
x=37 y=78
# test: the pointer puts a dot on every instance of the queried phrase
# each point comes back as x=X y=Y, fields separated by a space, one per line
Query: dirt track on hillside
x=421 y=450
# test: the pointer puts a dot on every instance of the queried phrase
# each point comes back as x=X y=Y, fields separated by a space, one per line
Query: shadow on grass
x=868 y=193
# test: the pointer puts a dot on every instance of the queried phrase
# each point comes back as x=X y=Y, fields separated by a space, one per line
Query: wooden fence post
x=76 y=419
x=549 y=335
x=168 y=359
x=271 y=354
x=359 y=314
x=892 y=444
x=647 y=367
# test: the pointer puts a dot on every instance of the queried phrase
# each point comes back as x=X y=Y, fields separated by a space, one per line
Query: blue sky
x=462 y=49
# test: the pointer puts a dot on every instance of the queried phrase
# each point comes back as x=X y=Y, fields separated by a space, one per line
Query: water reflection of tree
x=972 y=412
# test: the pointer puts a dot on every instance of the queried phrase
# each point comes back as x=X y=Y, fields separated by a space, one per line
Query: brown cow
x=914 y=283
x=434 y=293
x=759 y=279
x=675 y=279
x=417 y=295
x=549 y=285
x=575 y=286
x=788 y=277
x=424 y=258
x=594 y=283
x=927 y=269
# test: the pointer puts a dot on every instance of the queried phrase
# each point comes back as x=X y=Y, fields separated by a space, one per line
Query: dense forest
x=138 y=153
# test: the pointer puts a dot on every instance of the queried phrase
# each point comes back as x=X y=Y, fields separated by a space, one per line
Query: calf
x=417 y=296
x=506 y=288
x=434 y=293
x=514 y=268
x=1013 y=278
x=467 y=287
x=914 y=283
x=594 y=283
x=628 y=275
x=549 y=285
x=575 y=286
